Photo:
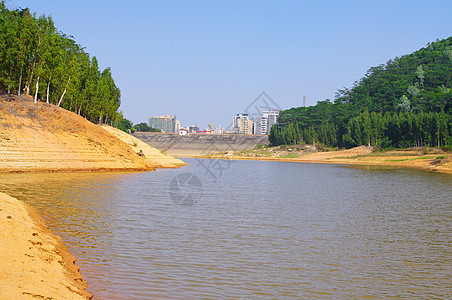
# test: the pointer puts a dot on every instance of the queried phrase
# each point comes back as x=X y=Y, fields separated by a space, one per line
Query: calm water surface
x=260 y=230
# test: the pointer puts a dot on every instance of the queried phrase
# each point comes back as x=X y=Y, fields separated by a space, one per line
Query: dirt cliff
x=43 y=137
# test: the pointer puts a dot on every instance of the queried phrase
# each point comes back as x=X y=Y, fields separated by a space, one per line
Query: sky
x=207 y=60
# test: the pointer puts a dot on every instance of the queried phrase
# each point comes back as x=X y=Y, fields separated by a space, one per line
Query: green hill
x=405 y=102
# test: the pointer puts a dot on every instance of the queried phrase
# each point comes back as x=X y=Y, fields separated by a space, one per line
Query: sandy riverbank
x=44 y=138
x=152 y=156
x=435 y=160
x=35 y=264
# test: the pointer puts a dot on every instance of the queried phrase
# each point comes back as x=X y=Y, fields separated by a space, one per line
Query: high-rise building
x=271 y=117
x=257 y=125
x=264 y=123
x=165 y=123
x=242 y=124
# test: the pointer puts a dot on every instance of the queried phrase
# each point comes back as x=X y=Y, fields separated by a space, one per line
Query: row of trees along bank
x=406 y=102
x=37 y=59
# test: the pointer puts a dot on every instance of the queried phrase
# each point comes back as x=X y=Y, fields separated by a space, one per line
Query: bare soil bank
x=35 y=264
x=152 y=156
x=434 y=160
x=43 y=137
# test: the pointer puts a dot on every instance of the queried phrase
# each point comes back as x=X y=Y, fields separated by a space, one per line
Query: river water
x=252 y=229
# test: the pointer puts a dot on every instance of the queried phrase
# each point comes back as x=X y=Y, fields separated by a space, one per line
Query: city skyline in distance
x=258 y=123
x=255 y=109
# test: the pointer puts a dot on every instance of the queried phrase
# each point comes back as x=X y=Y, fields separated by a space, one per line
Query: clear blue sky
x=207 y=60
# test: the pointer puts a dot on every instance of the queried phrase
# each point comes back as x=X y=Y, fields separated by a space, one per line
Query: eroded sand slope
x=152 y=156
x=43 y=137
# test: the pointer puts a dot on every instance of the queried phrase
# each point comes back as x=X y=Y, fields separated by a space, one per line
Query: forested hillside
x=37 y=59
x=405 y=102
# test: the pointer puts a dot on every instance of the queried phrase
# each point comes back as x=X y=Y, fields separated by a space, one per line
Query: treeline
x=127 y=126
x=384 y=130
x=37 y=59
x=406 y=102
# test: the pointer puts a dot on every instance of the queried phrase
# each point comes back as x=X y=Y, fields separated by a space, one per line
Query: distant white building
x=257 y=125
x=269 y=118
x=218 y=130
x=263 y=124
x=242 y=124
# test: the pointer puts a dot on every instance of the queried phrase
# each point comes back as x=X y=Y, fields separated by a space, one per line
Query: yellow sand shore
x=152 y=156
x=35 y=264
x=45 y=138
x=437 y=160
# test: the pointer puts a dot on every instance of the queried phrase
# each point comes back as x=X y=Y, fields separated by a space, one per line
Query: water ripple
x=263 y=230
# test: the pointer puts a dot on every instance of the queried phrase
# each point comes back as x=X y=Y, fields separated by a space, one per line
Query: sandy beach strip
x=363 y=156
x=35 y=264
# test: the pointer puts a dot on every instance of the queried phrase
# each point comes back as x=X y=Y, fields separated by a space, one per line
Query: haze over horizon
x=206 y=61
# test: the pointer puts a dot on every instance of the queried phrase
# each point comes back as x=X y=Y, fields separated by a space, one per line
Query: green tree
x=125 y=125
x=143 y=127
x=37 y=59
x=404 y=104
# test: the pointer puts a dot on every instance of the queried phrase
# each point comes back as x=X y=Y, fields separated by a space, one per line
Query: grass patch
x=262 y=146
x=292 y=155
x=415 y=158
x=424 y=157
x=392 y=154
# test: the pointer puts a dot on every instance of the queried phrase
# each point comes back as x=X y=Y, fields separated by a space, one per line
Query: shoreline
x=77 y=170
x=331 y=162
x=42 y=137
x=361 y=156
x=35 y=262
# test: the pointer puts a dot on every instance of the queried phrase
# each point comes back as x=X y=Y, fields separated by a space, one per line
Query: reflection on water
x=262 y=230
